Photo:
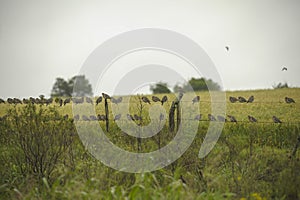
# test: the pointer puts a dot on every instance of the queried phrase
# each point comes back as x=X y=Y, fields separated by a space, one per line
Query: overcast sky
x=42 y=40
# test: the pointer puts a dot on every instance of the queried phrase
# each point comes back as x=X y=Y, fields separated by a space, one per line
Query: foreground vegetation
x=42 y=156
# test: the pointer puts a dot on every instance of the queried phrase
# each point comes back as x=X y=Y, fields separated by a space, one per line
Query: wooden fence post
x=171 y=117
x=178 y=121
x=106 y=115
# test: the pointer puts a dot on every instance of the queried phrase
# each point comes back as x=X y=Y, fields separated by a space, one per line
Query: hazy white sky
x=42 y=40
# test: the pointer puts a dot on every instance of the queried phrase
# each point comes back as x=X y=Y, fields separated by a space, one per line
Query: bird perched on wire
x=284 y=69
x=211 y=117
x=78 y=100
x=85 y=118
x=67 y=100
x=251 y=119
x=146 y=100
x=242 y=99
x=137 y=118
x=117 y=117
x=289 y=100
x=60 y=102
x=231 y=118
x=196 y=99
x=76 y=117
x=99 y=99
x=233 y=99
x=130 y=117
x=116 y=101
x=276 y=120
x=88 y=100
x=105 y=96
x=250 y=99
x=155 y=99
x=101 y=117
x=164 y=99
x=93 y=118
x=198 y=117
x=221 y=118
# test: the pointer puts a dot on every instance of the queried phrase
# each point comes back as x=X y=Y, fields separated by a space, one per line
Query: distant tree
x=81 y=86
x=280 y=85
x=63 y=88
x=160 y=88
x=198 y=84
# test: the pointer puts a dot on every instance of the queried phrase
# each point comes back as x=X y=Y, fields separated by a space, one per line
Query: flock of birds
x=135 y=117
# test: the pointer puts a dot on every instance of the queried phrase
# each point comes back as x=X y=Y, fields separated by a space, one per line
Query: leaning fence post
x=171 y=117
x=178 y=121
x=106 y=115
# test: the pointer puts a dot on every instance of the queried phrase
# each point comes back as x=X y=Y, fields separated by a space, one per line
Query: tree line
x=64 y=88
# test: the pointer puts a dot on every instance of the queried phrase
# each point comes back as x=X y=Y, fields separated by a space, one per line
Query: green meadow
x=42 y=156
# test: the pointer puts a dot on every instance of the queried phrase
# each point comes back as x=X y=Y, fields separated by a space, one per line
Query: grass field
x=42 y=156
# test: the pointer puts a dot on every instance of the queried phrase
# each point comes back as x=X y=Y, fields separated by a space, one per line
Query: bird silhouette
x=242 y=99
x=221 y=118
x=99 y=100
x=76 y=117
x=227 y=48
x=130 y=117
x=85 y=118
x=17 y=101
x=101 y=117
x=105 y=96
x=232 y=118
x=211 y=117
x=155 y=99
x=32 y=100
x=117 y=117
x=251 y=119
x=137 y=118
x=25 y=101
x=116 y=101
x=196 y=99
x=88 y=100
x=67 y=100
x=276 y=120
x=10 y=100
x=250 y=99
x=93 y=118
x=146 y=100
x=233 y=99
x=289 y=100
x=78 y=100
x=164 y=99
x=60 y=102
x=284 y=69
x=198 y=117
x=48 y=101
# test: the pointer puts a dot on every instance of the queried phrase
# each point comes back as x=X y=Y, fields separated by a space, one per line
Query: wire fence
x=59 y=102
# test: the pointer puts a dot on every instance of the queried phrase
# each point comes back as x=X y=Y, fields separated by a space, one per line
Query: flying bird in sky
x=284 y=69
x=227 y=48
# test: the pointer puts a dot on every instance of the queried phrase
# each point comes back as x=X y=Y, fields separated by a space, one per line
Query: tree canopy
x=64 y=88
x=160 y=88
x=198 y=84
